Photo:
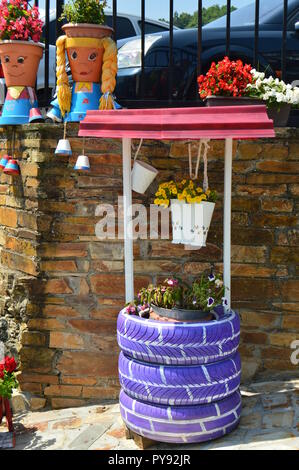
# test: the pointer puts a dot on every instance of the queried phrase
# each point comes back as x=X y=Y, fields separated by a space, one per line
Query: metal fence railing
x=168 y=100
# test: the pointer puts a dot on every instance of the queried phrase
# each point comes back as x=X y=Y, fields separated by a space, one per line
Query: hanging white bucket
x=143 y=175
x=181 y=218
x=201 y=220
x=191 y=222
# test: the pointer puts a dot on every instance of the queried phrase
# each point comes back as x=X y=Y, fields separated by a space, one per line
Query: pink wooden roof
x=237 y=122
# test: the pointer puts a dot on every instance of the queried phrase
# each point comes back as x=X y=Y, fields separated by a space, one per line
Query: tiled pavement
x=270 y=420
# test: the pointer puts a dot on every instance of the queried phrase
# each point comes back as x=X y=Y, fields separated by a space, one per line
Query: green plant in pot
x=184 y=302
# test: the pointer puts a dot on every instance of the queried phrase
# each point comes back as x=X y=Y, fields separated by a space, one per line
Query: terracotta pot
x=86 y=30
x=84 y=70
x=20 y=61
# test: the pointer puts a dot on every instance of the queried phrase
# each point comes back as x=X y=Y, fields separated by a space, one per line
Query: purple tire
x=179 y=385
x=181 y=425
x=179 y=343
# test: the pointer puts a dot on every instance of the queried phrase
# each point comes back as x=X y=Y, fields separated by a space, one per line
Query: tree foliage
x=185 y=20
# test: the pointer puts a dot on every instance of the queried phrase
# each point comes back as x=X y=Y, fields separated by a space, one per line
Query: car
x=184 y=74
x=126 y=25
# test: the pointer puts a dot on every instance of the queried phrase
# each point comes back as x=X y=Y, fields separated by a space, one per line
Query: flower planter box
x=180 y=314
x=280 y=114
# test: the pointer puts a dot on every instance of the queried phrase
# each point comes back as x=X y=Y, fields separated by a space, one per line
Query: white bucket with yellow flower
x=143 y=174
x=191 y=205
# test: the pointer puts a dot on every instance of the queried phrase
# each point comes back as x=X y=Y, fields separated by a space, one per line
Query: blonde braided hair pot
x=109 y=71
x=64 y=93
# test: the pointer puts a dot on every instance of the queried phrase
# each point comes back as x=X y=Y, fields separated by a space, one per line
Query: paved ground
x=270 y=420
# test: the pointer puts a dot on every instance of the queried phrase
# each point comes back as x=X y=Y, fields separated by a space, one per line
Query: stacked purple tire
x=180 y=381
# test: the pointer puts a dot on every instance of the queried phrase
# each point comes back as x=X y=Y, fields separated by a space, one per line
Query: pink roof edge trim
x=221 y=122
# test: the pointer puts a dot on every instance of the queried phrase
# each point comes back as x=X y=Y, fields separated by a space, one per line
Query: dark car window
x=124 y=27
x=245 y=16
x=292 y=20
x=151 y=28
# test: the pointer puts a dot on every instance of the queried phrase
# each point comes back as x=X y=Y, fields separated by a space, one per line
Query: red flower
x=10 y=364
x=226 y=78
x=18 y=21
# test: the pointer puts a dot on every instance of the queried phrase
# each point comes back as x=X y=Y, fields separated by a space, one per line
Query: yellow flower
x=203 y=197
x=198 y=199
x=165 y=203
x=191 y=184
x=199 y=189
x=189 y=199
x=157 y=202
x=181 y=197
x=174 y=190
x=208 y=192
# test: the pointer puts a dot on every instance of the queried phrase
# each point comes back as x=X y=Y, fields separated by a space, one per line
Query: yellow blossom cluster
x=186 y=190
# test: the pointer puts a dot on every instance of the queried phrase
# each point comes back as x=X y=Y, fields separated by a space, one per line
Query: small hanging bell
x=12 y=167
x=63 y=147
x=3 y=162
x=82 y=163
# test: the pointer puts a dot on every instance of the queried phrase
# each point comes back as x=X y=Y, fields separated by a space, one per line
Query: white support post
x=127 y=208
x=228 y=164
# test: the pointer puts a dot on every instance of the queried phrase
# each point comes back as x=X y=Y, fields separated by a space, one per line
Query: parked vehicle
x=184 y=74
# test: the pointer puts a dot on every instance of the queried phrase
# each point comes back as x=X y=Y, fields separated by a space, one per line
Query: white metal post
x=228 y=164
x=127 y=208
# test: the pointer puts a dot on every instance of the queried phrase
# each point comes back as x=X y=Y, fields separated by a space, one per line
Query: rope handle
x=138 y=149
x=203 y=143
x=64 y=130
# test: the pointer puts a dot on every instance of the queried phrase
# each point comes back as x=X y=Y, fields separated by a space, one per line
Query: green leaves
x=84 y=11
x=7 y=384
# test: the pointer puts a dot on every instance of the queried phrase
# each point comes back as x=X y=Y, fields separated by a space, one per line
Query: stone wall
x=61 y=288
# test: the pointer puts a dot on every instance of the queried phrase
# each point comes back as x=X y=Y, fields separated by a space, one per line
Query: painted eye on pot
x=6 y=59
x=20 y=60
x=74 y=55
x=92 y=56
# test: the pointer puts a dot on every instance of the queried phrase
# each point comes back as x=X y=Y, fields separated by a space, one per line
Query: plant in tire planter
x=191 y=210
x=178 y=300
x=92 y=55
x=20 y=54
x=278 y=96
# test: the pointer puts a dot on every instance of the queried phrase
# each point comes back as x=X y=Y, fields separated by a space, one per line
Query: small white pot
x=142 y=176
x=63 y=147
x=82 y=163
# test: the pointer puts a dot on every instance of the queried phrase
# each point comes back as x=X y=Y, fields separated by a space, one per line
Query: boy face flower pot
x=92 y=55
x=20 y=54
x=20 y=61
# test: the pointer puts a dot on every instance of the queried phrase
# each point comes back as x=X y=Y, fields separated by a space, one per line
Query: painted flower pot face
x=20 y=61
x=86 y=63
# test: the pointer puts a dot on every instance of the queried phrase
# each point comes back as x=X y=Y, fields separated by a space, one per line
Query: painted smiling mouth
x=11 y=75
x=84 y=73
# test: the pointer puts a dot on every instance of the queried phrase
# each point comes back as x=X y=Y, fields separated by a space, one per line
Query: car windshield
x=245 y=16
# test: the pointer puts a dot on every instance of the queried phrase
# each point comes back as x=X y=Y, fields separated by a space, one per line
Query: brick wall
x=61 y=288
